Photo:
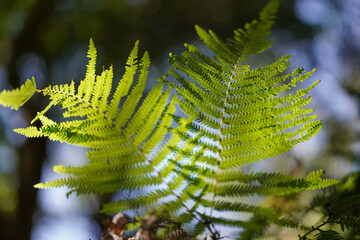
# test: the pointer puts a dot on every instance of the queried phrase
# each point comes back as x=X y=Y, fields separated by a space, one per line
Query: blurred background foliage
x=48 y=39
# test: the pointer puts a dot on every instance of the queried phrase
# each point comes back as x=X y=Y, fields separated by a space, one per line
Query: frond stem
x=220 y=134
x=318 y=228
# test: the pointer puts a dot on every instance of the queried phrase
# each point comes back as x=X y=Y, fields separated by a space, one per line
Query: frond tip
x=19 y=96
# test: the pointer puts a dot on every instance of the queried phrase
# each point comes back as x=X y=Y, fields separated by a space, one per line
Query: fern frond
x=121 y=139
x=19 y=96
x=241 y=116
x=236 y=116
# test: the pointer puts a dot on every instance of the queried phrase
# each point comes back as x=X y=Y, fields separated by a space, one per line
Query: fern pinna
x=235 y=116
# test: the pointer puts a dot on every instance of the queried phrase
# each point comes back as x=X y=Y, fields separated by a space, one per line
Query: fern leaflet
x=18 y=97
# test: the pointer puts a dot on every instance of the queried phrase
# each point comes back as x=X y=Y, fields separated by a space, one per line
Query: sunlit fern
x=18 y=97
x=120 y=140
x=241 y=116
x=235 y=116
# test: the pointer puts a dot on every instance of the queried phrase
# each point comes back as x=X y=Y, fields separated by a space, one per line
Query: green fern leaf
x=235 y=116
x=240 y=116
x=18 y=97
x=120 y=139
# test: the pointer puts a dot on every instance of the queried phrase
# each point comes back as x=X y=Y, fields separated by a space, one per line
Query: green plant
x=339 y=208
x=235 y=116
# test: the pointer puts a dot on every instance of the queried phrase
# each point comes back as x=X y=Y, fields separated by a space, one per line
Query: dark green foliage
x=340 y=208
x=235 y=116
